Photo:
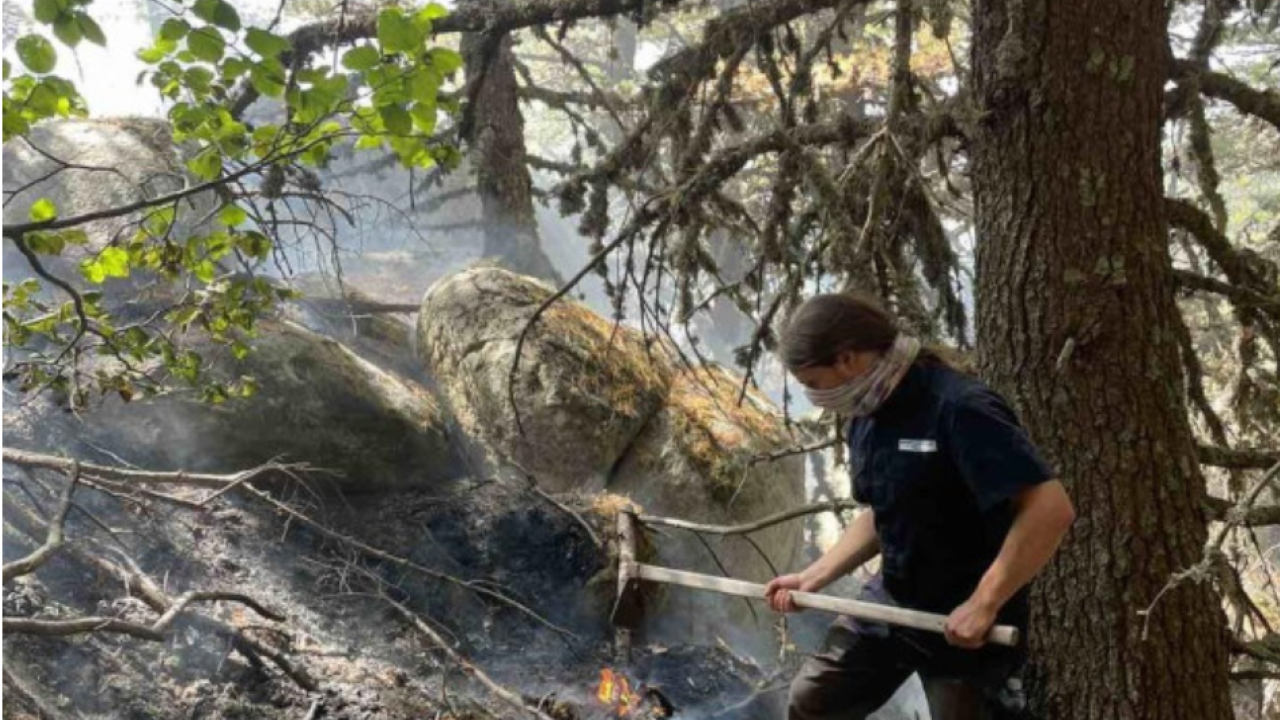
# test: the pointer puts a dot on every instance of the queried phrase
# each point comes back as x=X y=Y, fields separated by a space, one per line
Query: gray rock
x=318 y=402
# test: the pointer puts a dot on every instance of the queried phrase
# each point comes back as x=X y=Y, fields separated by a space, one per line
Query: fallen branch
x=178 y=477
x=810 y=509
x=53 y=540
x=155 y=631
x=138 y=584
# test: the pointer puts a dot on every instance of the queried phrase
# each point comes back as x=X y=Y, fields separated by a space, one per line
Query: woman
x=962 y=511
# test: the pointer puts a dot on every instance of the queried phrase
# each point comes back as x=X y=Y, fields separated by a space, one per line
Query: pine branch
x=1238 y=458
x=1262 y=104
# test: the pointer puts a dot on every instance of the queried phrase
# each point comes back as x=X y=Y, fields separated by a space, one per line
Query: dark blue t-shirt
x=939 y=462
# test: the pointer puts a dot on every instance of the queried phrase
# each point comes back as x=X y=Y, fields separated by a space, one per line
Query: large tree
x=1077 y=322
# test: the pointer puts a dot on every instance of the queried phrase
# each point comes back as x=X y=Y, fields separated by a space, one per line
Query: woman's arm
x=1043 y=515
x=856 y=546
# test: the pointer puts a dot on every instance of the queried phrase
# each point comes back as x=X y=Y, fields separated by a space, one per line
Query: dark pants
x=862 y=665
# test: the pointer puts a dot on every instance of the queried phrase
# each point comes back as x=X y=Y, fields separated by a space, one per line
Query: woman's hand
x=778 y=591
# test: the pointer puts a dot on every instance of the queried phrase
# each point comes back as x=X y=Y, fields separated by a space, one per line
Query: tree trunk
x=1076 y=325
x=495 y=133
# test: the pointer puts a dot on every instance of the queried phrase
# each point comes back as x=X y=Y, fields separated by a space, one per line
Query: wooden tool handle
x=999 y=634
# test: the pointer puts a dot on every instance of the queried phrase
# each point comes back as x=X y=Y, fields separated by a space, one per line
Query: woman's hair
x=826 y=325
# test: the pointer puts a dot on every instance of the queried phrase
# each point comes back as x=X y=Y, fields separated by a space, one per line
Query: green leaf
x=36 y=53
x=254 y=243
x=232 y=215
x=46 y=11
x=75 y=236
x=424 y=116
x=67 y=30
x=114 y=261
x=43 y=210
x=45 y=243
x=93 y=271
x=433 y=11
x=361 y=58
x=174 y=29
x=206 y=44
x=207 y=164
x=7 y=69
x=234 y=67
x=158 y=51
x=266 y=44
x=445 y=60
x=205 y=270
x=396 y=119
x=368 y=142
x=396 y=33
x=267 y=80
x=218 y=12
x=198 y=78
x=91 y=30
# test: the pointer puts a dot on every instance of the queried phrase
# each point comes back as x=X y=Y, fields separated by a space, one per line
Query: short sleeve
x=993 y=453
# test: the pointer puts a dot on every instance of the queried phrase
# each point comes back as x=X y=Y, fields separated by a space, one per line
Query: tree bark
x=1076 y=325
x=495 y=133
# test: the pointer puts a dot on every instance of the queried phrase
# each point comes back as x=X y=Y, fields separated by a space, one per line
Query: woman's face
x=848 y=365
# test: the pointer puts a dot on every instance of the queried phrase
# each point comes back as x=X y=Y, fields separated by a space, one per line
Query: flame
x=615 y=692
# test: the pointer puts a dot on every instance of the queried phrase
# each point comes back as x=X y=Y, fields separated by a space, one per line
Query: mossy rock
x=584 y=388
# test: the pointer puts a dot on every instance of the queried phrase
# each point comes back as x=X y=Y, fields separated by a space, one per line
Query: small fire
x=615 y=692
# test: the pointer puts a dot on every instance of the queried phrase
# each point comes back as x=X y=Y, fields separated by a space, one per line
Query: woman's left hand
x=968 y=625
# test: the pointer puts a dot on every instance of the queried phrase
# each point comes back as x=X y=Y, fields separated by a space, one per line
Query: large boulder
x=317 y=402
x=584 y=389
x=602 y=409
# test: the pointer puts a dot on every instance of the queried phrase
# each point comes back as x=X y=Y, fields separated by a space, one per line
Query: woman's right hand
x=778 y=591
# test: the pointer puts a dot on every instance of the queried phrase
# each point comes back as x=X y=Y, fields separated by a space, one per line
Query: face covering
x=863 y=394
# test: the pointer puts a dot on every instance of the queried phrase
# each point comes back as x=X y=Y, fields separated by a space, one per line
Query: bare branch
x=1243 y=459
x=769 y=521
x=178 y=477
x=1262 y=104
x=53 y=541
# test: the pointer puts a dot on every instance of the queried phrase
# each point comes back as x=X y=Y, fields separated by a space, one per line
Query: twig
x=537 y=490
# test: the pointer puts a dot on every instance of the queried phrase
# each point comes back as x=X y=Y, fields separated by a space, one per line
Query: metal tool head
x=628 y=607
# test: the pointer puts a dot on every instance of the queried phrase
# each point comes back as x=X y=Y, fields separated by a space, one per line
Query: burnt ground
x=368 y=660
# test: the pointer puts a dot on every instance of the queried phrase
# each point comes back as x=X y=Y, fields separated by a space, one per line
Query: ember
x=616 y=694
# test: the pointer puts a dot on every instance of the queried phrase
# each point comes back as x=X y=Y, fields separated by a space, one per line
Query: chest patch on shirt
x=917 y=446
